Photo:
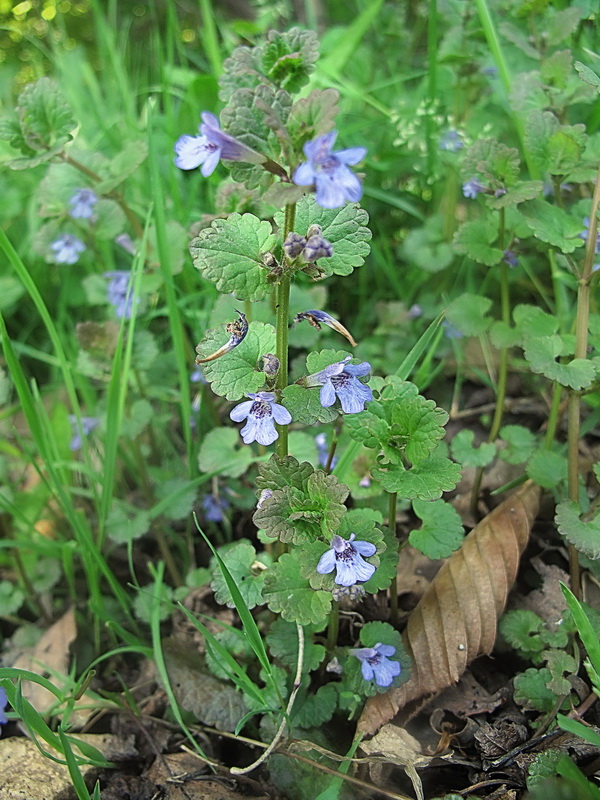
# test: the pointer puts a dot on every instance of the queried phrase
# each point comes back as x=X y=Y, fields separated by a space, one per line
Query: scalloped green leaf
x=388 y=564
x=345 y=227
x=587 y=75
x=541 y=353
x=316 y=709
x=46 y=118
x=547 y=468
x=313 y=116
x=474 y=239
x=305 y=405
x=492 y=161
x=464 y=451
x=279 y=473
x=230 y=254
x=424 y=481
x=531 y=690
x=520 y=444
x=521 y=191
x=402 y=422
x=300 y=515
x=442 y=531
x=522 y=630
x=585 y=536
x=467 y=314
x=240 y=371
x=109 y=219
x=287 y=593
x=253 y=114
x=246 y=571
x=282 y=640
x=552 y=225
x=122 y=166
x=222 y=452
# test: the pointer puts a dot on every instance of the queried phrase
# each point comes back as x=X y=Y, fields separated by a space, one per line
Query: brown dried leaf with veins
x=457 y=617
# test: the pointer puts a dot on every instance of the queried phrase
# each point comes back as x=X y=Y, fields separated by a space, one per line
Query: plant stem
x=392 y=498
x=282 y=304
x=333 y=627
x=574 y=401
x=502 y=366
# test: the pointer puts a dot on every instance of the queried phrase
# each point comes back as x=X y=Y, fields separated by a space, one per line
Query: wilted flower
x=119 y=292
x=451 y=141
x=214 y=507
x=341 y=379
x=66 y=249
x=237 y=333
x=262 y=412
x=328 y=170
x=212 y=145
x=346 y=557
x=472 y=188
x=375 y=664
x=316 y=318
x=87 y=426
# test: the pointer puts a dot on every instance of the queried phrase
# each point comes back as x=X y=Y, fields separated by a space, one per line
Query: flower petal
x=366 y=549
x=241 y=411
x=265 y=430
x=367 y=671
x=210 y=120
x=352 y=155
x=281 y=414
x=330 y=192
x=304 y=175
x=327 y=394
x=210 y=162
x=326 y=562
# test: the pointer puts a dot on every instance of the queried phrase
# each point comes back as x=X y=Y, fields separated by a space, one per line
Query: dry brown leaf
x=456 y=619
x=50 y=657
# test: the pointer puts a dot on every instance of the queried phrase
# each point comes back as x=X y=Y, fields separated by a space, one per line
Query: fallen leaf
x=49 y=658
x=456 y=619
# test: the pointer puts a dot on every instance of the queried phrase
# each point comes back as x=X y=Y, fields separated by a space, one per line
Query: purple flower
x=294 y=244
x=66 y=249
x=375 y=664
x=87 y=426
x=509 y=257
x=3 y=702
x=212 y=145
x=119 y=292
x=451 y=141
x=451 y=331
x=261 y=413
x=328 y=170
x=214 y=507
x=323 y=450
x=264 y=496
x=341 y=379
x=584 y=234
x=196 y=376
x=472 y=188
x=82 y=203
x=346 y=557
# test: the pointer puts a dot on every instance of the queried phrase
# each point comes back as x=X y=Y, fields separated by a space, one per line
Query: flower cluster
x=212 y=145
x=328 y=170
x=261 y=413
x=346 y=557
x=66 y=249
x=341 y=380
x=375 y=664
x=311 y=247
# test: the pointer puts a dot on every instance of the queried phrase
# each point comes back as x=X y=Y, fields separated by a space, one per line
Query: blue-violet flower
x=66 y=249
x=214 y=507
x=375 y=665
x=82 y=203
x=510 y=257
x=328 y=170
x=261 y=412
x=212 y=145
x=87 y=426
x=119 y=292
x=323 y=450
x=341 y=379
x=346 y=557
x=472 y=188
x=451 y=141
